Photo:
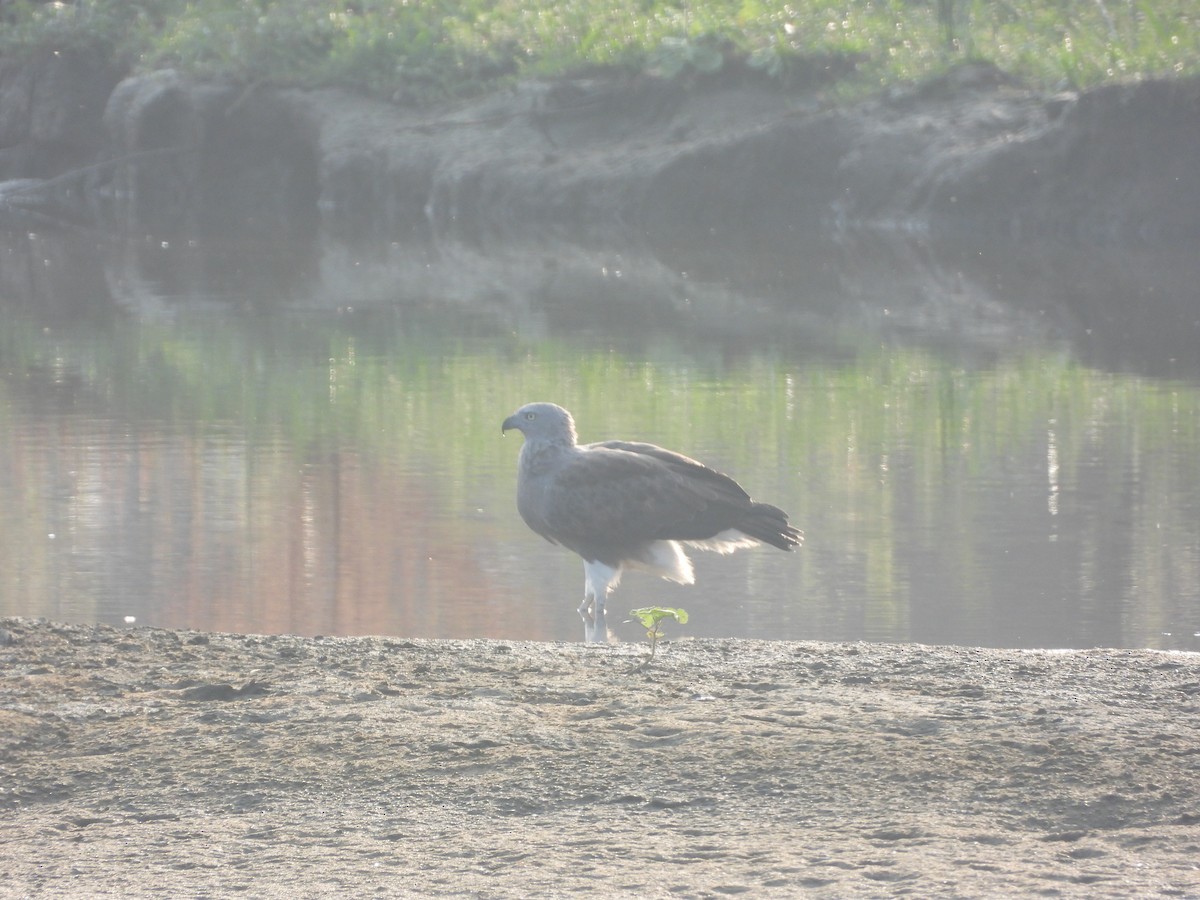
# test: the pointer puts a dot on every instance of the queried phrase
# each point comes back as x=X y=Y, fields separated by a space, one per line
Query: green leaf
x=650 y=616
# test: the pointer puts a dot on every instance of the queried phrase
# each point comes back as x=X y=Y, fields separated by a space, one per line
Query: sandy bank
x=151 y=762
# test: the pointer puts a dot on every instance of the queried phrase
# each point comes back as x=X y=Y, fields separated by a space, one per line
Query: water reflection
x=319 y=452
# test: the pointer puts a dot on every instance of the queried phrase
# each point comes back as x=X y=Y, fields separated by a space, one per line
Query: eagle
x=627 y=505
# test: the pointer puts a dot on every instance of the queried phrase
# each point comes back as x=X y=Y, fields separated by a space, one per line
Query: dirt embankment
x=639 y=161
x=965 y=204
x=148 y=762
x=618 y=158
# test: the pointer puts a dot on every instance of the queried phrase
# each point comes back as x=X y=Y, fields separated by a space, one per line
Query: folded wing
x=615 y=497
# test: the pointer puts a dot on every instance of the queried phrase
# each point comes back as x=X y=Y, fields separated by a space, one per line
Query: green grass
x=427 y=50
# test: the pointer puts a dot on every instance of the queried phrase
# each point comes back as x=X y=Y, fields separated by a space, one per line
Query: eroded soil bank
x=965 y=207
x=147 y=762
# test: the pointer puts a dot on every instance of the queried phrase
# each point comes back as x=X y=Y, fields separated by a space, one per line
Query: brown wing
x=729 y=504
x=618 y=494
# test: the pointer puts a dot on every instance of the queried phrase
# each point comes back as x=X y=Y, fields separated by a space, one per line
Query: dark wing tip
x=769 y=524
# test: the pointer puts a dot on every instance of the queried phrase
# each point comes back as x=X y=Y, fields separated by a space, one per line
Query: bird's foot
x=595 y=629
x=589 y=623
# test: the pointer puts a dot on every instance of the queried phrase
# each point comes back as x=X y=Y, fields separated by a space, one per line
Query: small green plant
x=652 y=618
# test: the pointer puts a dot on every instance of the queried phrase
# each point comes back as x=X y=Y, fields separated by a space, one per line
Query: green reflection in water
x=346 y=474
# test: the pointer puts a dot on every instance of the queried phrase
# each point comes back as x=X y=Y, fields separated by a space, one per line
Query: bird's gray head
x=542 y=422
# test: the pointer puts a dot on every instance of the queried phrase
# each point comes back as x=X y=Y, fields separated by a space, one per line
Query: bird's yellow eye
x=530 y=416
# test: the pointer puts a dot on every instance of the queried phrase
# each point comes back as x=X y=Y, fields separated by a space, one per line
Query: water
x=199 y=437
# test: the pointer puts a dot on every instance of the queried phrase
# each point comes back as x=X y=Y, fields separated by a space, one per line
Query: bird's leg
x=591 y=610
x=585 y=613
x=599 y=628
x=599 y=578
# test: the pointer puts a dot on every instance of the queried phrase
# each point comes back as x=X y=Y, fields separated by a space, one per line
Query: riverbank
x=966 y=207
x=155 y=762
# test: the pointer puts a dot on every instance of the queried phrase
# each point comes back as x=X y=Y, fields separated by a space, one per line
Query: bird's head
x=542 y=422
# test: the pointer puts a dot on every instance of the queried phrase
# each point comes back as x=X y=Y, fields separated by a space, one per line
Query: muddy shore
x=150 y=762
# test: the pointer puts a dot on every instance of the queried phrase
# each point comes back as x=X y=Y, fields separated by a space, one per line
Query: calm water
x=203 y=438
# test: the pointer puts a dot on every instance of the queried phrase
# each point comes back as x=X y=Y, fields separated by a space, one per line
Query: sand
x=148 y=762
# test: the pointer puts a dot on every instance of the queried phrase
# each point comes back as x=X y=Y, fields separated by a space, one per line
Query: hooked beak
x=510 y=422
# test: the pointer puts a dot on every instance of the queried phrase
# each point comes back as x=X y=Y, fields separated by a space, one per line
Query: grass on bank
x=426 y=50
